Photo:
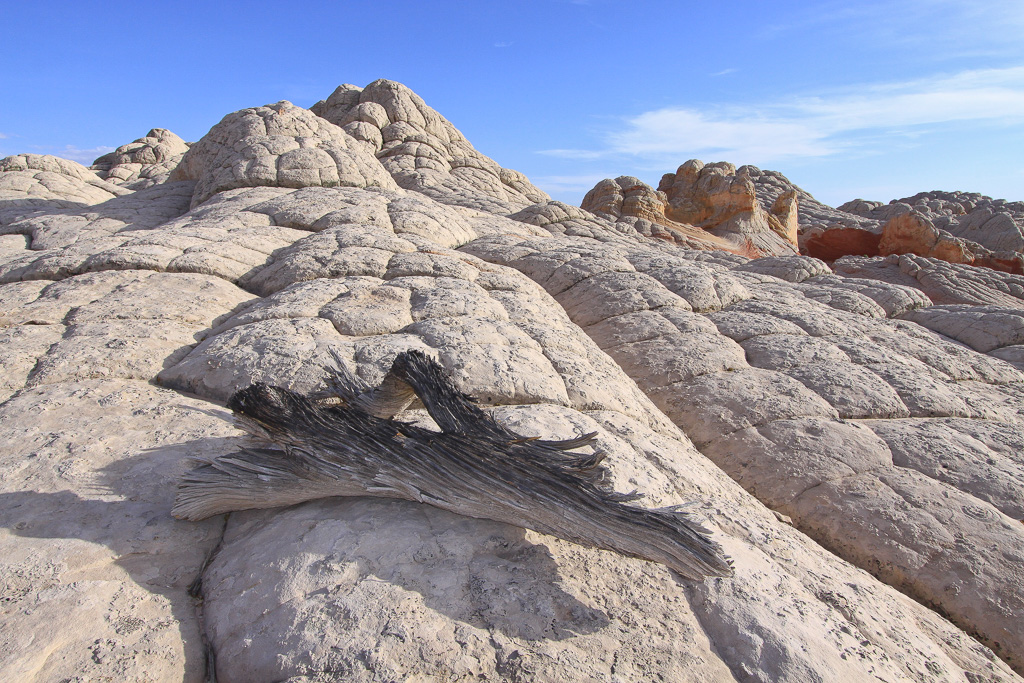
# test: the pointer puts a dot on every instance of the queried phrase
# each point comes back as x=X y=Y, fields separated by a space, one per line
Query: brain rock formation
x=847 y=424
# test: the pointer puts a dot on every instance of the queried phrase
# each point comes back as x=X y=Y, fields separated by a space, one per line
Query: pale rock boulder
x=983 y=328
x=422 y=150
x=28 y=180
x=277 y=145
x=789 y=268
x=144 y=162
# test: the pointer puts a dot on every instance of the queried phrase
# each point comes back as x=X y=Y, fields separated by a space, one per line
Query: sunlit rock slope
x=850 y=431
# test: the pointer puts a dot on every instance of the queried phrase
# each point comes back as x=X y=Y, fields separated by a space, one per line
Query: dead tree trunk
x=312 y=448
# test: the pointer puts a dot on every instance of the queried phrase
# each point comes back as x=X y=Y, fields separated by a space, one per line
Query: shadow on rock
x=124 y=535
x=339 y=551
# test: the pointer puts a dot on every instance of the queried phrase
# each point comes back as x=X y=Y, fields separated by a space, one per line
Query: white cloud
x=573 y=153
x=681 y=132
x=2 y=136
x=724 y=72
x=818 y=124
x=554 y=184
x=505 y=44
x=83 y=156
x=961 y=26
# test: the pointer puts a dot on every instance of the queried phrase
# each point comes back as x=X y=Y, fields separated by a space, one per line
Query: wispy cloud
x=555 y=184
x=817 y=124
x=82 y=156
x=509 y=43
x=724 y=72
x=2 y=136
x=575 y=153
x=962 y=27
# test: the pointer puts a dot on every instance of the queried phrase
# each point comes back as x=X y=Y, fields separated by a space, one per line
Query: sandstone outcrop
x=850 y=434
x=993 y=223
x=422 y=150
x=959 y=227
x=144 y=162
x=279 y=145
x=722 y=200
x=32 y=179
x=701 y=207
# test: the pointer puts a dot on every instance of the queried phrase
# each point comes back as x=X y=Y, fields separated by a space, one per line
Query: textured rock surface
x=278 y=145
x=144 y=162
x=837 y=398
x=959 y=227
x=993 y=223
x=701 y=206
x=27 y=180
x=422 y=150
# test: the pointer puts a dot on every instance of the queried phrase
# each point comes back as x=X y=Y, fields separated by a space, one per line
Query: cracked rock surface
x=851 y=434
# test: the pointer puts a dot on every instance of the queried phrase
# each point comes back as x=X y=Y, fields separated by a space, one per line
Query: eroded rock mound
x=144 y=162
x=422 y=150
x=763 y=392
x=993 y=223
x=30 y=179
x=722 y=200
x=700 y=207
x=278 y=145
x=959 y=227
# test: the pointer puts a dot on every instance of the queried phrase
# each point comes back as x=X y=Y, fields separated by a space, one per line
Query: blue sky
x=848 y=99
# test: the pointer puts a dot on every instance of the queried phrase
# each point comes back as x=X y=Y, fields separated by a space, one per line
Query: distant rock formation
x=960 y=227
x=422 y=150
x=279 y=145
x=849 y=428
x=144 y=162
x=702 y=206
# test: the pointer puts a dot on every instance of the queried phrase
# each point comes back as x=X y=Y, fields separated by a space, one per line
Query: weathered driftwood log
x=316 y=447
